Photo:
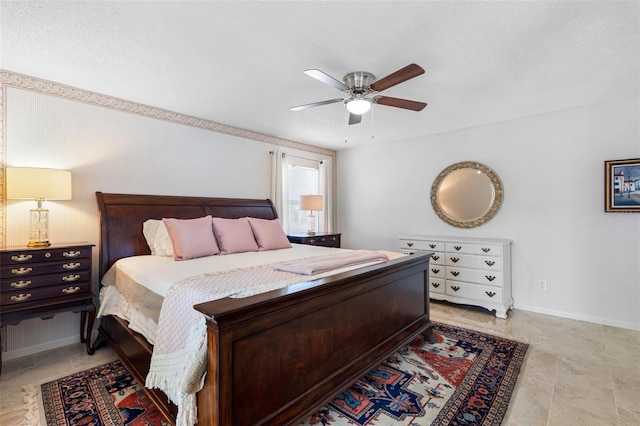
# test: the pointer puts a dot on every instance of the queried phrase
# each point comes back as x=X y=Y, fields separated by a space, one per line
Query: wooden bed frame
x=276 y=357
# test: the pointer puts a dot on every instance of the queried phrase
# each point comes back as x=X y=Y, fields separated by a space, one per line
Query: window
x=304 y=179
x=301 y=173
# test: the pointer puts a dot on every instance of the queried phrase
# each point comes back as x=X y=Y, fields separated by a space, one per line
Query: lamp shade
x=358 y=106
x=34 y=183
x=311 y=202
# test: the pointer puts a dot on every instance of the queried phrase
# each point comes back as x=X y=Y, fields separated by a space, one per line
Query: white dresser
x=473 y=271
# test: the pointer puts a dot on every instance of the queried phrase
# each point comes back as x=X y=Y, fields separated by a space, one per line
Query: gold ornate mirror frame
x=466 y=194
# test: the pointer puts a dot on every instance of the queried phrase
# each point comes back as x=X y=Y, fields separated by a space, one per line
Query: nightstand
x=326 y=240
x=45 y=281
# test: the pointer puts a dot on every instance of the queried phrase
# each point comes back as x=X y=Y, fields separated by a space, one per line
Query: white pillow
x=149 y=230
x=157 y=237
x=163 y=244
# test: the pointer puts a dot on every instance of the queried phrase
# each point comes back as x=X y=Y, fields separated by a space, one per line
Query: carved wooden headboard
x=122 y=216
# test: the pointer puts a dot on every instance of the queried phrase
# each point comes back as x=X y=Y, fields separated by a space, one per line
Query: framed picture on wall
x=622 y=186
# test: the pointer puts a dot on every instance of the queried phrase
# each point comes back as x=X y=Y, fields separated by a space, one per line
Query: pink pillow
x=269 y=234
x=191 y=238
x=234 y=235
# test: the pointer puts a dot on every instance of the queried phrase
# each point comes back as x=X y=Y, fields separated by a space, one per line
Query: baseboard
x=580 y=317
x=46 y=346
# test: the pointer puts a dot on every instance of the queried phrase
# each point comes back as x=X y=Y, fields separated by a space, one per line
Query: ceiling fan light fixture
x=358 y=106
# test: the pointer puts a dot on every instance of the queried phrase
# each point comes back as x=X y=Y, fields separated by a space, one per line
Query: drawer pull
x=432 y=246
x=455 y=288
x=455 y=273
x=21 y=271
x=455 y=259
x=435 y=271
x=410 y=244
x=21 y=284
x=71 y=265
x=457 y=247
x=490 y=262
x=311 y=240
x=486 y=250
x=21 y=258
x=334 y=238
x=70 y=278
x=21 y=297
x=70 y=290
x=490 y=293
x=490 y=277
x=434 y=257
x=75 y=253
x=435 y=285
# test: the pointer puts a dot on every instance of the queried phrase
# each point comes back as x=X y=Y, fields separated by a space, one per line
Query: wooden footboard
x=274 y=358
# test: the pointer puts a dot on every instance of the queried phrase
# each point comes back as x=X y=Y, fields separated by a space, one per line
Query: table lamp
x=26 y=183
x=311 y=203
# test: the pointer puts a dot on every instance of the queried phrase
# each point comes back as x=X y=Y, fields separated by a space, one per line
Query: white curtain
x=280 y=186
x=325 y=170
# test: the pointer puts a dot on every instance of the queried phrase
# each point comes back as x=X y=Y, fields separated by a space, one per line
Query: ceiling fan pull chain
x=372 y=124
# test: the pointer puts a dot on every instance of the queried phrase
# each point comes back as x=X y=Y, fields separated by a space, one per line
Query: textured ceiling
x=242 y=63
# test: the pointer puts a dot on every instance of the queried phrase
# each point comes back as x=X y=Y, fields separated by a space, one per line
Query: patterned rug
x=100 y=396
x=465 y=378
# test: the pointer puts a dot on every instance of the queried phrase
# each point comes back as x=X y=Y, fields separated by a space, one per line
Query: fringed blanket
x=179 y=357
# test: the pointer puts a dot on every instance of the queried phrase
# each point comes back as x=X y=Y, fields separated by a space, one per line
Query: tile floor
x=576 y=373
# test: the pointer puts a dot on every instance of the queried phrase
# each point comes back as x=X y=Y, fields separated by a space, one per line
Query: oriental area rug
x=465 y=378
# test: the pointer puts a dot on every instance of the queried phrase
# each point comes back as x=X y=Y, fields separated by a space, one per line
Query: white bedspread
x=178 y=364
x=158 y=273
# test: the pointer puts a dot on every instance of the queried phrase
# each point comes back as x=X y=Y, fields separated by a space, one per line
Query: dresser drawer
x=51 y=292
x=44 y=255
x=437 y=271
x=492 y=278
x=323 y=240
x=31 y=269
x=473 y=248
x=474 y=291
x=410 y=244
x=437 y=258
x=328 y=241
x=30 y=282
x=473 y=261
x=437 y=285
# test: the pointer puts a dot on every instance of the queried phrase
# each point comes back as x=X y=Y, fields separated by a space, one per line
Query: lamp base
x=38 y=244
x=312 y=224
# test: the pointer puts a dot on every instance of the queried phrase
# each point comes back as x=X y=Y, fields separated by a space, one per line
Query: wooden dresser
x=42 y=282
x=471 y=271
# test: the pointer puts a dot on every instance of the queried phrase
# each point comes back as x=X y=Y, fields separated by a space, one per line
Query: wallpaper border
x=46 y=87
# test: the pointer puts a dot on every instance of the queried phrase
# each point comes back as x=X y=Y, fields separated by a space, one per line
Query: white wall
x=552 y=170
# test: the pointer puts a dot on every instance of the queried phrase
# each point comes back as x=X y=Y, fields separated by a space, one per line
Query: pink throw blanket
x=320 y=264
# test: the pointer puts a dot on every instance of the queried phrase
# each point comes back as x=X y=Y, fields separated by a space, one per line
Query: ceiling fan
x=360 y=84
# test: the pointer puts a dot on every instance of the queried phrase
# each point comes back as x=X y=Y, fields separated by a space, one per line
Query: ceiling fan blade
x=315 y=104
x=399 y=103
x=354 y=118
x=327 y=79
x=404 y=74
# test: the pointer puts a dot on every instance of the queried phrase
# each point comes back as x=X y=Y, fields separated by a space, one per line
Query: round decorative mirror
x=466 y=194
